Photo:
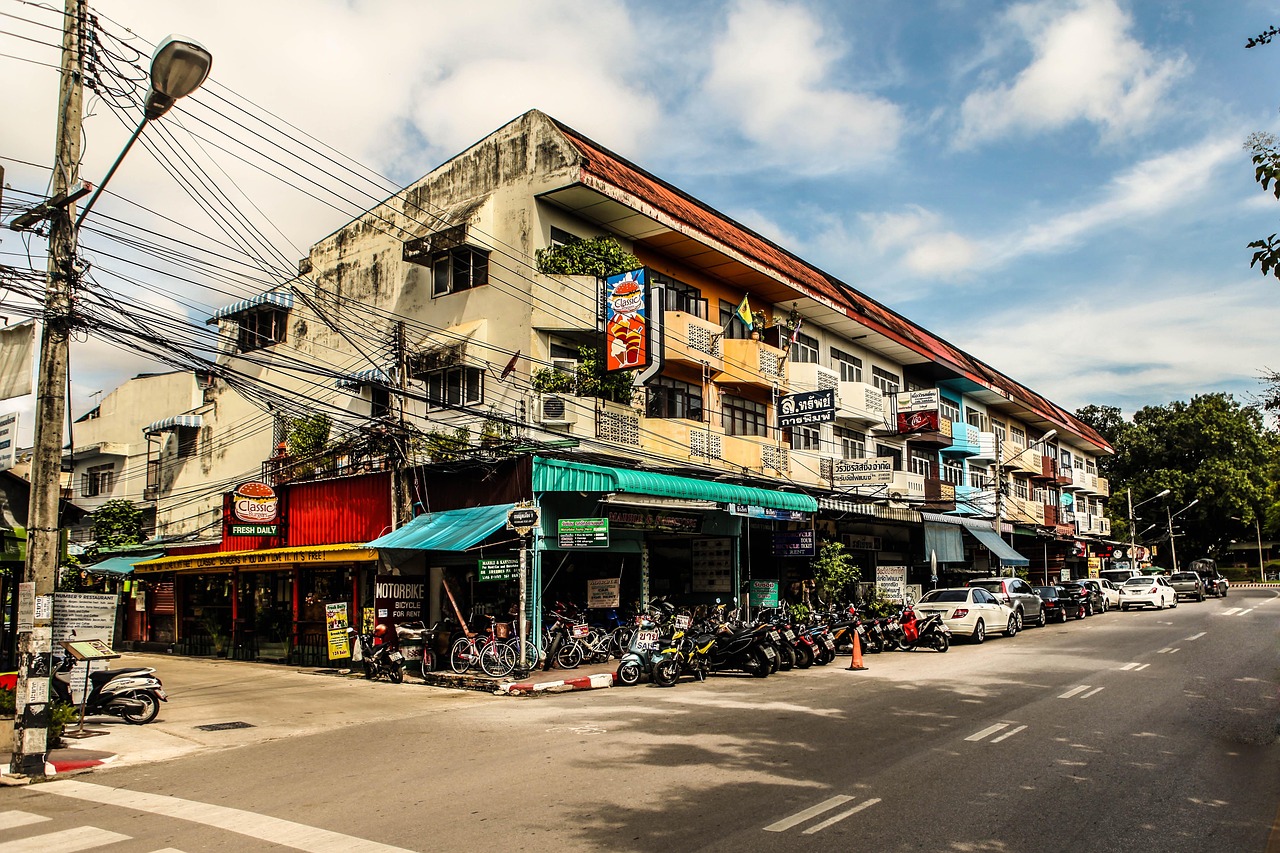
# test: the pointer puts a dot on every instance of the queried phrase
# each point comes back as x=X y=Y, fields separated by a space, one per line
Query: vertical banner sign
x=335 y=620
x=626 y=327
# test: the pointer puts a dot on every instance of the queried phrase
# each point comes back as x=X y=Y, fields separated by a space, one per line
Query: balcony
x=939 y=496
x=1048 y=470
x=1083 y=481
x=905 y=487
x=667 y=439
x=757 y=453
x=564 y=302
x=1104 y=526
x=1071 y=479
x=934 y=439
x=964 y=441
x=1083 y=524
x=1051 y=515
x=986 y=448
x=859 y=402
x=693 y=341
x=752 y=363
x=1034 y=512
x=811 y=468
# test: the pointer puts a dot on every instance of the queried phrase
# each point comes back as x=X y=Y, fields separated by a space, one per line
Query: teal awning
x=1003 y=550
x=451 y=530
x=556 y=475
x=944 y=542
x=122 y=565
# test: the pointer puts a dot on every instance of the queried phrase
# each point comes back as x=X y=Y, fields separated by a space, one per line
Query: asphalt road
x=1127 y=731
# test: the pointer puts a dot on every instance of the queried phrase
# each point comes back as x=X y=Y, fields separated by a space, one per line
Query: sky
x=1059 y=188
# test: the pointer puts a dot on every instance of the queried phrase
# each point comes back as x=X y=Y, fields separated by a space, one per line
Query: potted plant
x=758 y=321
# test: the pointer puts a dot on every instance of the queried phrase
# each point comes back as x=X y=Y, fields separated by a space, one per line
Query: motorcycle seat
x=105 y=675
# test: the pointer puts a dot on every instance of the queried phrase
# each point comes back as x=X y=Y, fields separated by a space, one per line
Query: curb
x=53 y=768
x=586 y=682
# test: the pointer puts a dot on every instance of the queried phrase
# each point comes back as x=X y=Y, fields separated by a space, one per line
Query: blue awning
x=277 y=298
x=372 y=376
x=174 y=422
x=122 y=565
x=944 y=542
x=1003 y=550
x=451 y=530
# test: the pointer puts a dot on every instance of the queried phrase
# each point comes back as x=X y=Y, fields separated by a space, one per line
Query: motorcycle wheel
x=875 y=644
x=786 y=658
x=150 y=708
x=628 y=674
x=824 y=656
x=804 y=656
x=757 y=664
x=666 y=673
x=395 y=672
x=941 y=643
x=369 y=669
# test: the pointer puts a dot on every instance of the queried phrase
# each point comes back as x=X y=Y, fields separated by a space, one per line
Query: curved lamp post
x=1173 y=549
x=1133 y=540
x=1257 y=526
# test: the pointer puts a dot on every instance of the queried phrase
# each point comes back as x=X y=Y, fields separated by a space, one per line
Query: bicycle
x=469 y=651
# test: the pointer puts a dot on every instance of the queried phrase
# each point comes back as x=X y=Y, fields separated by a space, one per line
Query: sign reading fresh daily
x=808 y=407
x=583 y=533
x=502 y=569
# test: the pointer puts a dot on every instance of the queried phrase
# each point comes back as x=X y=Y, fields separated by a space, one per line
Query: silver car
x=1018 y=596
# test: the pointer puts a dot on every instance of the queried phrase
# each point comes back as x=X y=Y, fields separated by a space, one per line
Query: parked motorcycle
x=381 y=661
x=916 y=633
x=647 y=649
x=134 y=694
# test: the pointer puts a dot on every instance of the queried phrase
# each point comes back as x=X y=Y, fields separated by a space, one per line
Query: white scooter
x=133 y=694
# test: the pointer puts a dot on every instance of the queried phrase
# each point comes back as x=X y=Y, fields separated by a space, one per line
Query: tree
x=834 y=572
x=599 y=256
x=1110 y=424
x=117 y=523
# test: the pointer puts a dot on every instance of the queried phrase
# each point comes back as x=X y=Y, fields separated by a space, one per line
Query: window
x=455 y=386
x=948 y=409
x=731 y=322
x=743 y=417
x=805 y=349
x=1019 y=435
x=849 y=366
x=892 y=452
x=560 y=237
x=852 y=444
x=1091 y=466
x=98 y=480
x=380 y=401
x=805 y=437
x=952 y=472
x=1020 y=488
x=1064 y=458
x=977 y=478
x=671 y=398
x=457 y=269
x=921 y=462
x=261 y=328
x=884 y=380
x=682 y=297
x=1000 y=431
x=913 y=385
x=976 y=418
x=188 y=441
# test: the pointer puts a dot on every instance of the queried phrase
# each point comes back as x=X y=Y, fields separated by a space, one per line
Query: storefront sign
x=275 y=556
x=659 y=520
x=505 y=569
x=603 y=593
x=84 y=616
x=764 y=593
x=749 y=511
x=522 y=519
x=583 y=533
x=626 y=328
x=255 y=510
x=339 y=645
x=891 y=582
x=876 y=471
x=398 y=599
x=854 y=542
x=1095 y=566
x=918 y=422
x=918 y=401
x=808 y=407
x=797 y=543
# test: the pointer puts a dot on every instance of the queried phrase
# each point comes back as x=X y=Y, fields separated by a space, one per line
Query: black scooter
x=747 y=649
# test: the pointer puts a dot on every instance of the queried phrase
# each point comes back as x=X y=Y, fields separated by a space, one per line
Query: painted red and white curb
x=70 y=765
x=586 y=682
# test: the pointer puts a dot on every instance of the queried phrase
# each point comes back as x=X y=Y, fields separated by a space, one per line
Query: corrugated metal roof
x=278 y=298
x=451 y=530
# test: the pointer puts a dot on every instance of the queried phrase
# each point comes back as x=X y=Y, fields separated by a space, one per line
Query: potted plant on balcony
x=589 y=379
x=758 y=322
x=599 y=256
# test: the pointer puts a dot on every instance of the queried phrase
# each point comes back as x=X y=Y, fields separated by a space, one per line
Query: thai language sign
x=891 y=582
x=750 y=511
x=875 y=471
x=583 y=533
x=809 y=407
x=764 y=593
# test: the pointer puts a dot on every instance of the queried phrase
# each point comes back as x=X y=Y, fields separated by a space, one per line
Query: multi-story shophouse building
x=426 y=332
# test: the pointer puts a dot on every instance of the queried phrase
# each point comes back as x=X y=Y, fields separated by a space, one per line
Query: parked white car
x=1110 y=592
x=971 y=612
x=1151 y=591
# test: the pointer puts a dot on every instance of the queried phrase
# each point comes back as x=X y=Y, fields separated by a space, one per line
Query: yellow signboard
x=339 y=646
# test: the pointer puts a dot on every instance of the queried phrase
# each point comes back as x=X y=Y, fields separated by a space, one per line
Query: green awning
x=944 y=542
x=451 y=530
x=555 y=475
x=122 y=565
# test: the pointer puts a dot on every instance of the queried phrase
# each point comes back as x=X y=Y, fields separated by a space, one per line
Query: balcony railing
x=693 y=341
x=1104 y=487
x=804 y=376
x=905 y=487
x=986 y=448
x=753 y=363
x=965 y=440
x=860 y=402
x=939 y=495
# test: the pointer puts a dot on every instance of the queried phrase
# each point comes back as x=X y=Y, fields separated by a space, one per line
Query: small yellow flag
x=744 y=313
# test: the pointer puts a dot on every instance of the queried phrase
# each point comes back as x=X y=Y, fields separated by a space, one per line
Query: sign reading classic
x=255 y=510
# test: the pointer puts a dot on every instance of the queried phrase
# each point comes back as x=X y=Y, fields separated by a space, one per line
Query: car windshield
x=1047 y=592
x=1184 y=576
x=1138 y=581
x=945 y=595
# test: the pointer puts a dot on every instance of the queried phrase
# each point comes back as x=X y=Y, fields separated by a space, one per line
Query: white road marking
x=813 y=811
x=275 y=830
x=1165 y=649
x=844 y=814
x=1230 y=611
x=1197 y=636
x=65 y=841
x=1092 y=692
x=1170 y=651
x=989 y=730
x=1008 y=734
x=1243 y=612
x=1141 y=668
x=1129 y=666
x=1074 y=691
x=15 y=819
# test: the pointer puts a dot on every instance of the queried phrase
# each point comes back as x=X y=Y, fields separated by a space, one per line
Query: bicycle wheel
x=620 y=640
x=462 y=655
x=497 y=660
x=428 y=662
x=531 y=655
x=569 y=656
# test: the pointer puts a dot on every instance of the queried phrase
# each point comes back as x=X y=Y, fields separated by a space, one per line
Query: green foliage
x=442 y=446
x=799 y=612
x=69 y=574
x=60 y=715
x=494 y=430
x=1263 y=37
x=7 y=706
x=1266 y=171
x=835 y=575
x=588 y=380
x=117 y=523
x=599 y=256
x=877 y=605
x=309 y=436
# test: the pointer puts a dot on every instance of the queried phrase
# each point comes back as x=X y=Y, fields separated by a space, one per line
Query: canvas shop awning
x=121 y=565
x=451 y=530
x=944 y=542
x=277 y=298
x=1002 y=549
x=174 y=422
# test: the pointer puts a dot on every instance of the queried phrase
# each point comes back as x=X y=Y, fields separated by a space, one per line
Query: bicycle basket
x=579 y=631
x=502 y=630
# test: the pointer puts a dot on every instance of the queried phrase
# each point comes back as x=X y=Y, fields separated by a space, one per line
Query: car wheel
x=1124 y=607
x=979 y=633
x=1044 y=619
x=1018 y=615
x=1011 y=630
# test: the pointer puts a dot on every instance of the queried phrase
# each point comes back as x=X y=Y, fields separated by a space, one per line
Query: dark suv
x=1061 y=603
x=1214 y=583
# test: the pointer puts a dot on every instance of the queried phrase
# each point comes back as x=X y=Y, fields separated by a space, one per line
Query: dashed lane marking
x=65 y=841
x=811 y=812
x=1092 y=692
x=275 y=830
x=1243 y=612
x=1196 y=636
x=1167 y=650
x=989 y=730
x=1141 y=668
x=844 y=814
x=15 y=819
x=1008 y=734
x=1074 y=691
x=1230 y=611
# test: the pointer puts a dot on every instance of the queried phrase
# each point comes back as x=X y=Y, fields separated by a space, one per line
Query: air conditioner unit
x=555 y=409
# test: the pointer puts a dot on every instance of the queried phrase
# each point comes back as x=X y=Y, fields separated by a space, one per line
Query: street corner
x=597 y=681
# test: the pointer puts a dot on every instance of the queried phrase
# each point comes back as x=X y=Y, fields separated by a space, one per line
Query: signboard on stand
x=335 y=621
x=603 y=592
x=764 y=593
x=891 y=582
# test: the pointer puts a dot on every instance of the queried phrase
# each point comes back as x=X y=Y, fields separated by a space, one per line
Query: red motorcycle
x=916 y=633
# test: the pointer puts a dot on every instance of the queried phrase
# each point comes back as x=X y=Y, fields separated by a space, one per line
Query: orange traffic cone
x=856 y=664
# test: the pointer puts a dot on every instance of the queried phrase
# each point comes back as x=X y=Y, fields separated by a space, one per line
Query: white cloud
x=771 y=76
x=1085 y=67
x=922 y=244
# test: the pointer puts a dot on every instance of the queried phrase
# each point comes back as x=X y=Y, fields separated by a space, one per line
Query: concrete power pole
x=35 y=611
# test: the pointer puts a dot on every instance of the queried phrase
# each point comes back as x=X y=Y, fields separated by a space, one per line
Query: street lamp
x=1173 y=549
x=178 y=67
x=999 y=477
x=1133 y=540
x=1257 y=526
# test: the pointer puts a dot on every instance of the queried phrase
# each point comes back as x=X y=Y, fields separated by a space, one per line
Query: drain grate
x=222 y=727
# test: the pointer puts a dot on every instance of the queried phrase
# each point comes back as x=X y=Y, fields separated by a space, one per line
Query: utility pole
x=35 y=637
x=997 y=470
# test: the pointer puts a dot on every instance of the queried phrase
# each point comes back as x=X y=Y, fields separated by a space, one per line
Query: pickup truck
x=1187 y=585
x=1214 y=583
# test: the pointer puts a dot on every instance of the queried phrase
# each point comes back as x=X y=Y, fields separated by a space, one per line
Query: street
x=1140 y=730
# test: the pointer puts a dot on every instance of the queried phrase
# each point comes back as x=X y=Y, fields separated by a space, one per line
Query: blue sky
x=1059 y=188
